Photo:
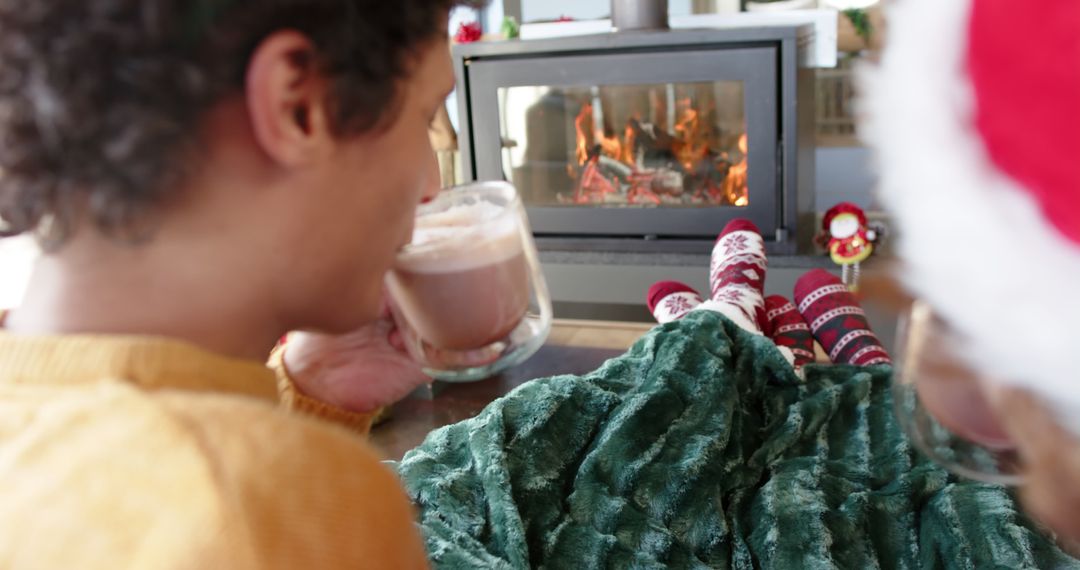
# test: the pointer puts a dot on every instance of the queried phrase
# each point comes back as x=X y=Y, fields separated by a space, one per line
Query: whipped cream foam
x=462 y=237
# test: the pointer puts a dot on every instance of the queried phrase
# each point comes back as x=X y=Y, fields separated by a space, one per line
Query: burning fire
x=611 y=146
x=691 y=145
x=735 y=188
x=693 y=158
x=628 y=148
x=584 y=139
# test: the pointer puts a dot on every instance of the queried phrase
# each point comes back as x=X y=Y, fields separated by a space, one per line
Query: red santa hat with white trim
x=974 y=111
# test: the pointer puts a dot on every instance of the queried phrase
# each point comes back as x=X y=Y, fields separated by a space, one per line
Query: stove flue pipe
x=637 y=15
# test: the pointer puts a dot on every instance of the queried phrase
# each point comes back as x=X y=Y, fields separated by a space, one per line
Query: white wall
x=17 y=255
x=541 y=10
x=492 y=22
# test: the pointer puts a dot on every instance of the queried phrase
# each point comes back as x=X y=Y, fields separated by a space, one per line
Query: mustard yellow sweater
x=132 y=452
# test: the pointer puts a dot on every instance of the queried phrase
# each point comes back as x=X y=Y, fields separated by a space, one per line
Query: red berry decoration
x=468 y=32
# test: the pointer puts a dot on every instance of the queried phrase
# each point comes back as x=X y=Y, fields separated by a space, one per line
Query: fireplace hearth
x=646 y=141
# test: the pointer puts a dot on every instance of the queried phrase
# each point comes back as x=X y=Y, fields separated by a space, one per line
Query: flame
x=628 y=148
x=611 y=146
x=690 y=144
x=735 y=188
x=581 y=122
x=688 y=120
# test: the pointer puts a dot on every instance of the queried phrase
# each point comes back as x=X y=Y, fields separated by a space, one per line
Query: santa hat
x=975 y=113
x=843 y=208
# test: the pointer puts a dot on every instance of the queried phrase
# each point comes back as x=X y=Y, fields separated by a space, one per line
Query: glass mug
x=467 y=293
x=942 y=405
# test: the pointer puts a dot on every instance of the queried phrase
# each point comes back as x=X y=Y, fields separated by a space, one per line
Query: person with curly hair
x=203 y=177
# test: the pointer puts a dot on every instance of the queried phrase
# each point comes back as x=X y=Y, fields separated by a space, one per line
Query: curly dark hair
x=99 y=98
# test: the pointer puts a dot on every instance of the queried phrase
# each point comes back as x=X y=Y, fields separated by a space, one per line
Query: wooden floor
x=596 y=334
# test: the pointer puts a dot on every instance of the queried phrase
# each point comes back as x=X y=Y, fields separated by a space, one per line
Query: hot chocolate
x=463 y=283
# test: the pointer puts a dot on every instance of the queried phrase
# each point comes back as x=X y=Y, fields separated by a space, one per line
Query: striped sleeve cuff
x=293 y=400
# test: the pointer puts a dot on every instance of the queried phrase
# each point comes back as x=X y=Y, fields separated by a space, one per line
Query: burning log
x=593 y=187
x=656 y=144
x=648 y=165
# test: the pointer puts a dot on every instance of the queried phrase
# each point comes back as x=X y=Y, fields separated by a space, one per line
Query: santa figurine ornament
x=848 y=238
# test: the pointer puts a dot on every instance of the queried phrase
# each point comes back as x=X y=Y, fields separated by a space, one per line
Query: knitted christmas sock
x=837 y=320
x=786 y=327
x=670 y=300
x=737 y=270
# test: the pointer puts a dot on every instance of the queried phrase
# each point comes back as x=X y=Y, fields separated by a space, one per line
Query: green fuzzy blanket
x=700 y=448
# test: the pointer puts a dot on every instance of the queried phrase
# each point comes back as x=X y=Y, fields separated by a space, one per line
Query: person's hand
x=1051 y=456
x=360 y=371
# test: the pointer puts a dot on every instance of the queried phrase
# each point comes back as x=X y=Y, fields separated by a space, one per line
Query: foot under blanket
x=699 y=448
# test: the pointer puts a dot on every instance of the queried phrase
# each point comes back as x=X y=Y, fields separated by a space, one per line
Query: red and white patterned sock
x=786 y=327
x=837 y=320
x=737 y=270
x=670 y=300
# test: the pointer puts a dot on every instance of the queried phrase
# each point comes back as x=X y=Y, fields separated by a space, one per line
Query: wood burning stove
x=646 y=140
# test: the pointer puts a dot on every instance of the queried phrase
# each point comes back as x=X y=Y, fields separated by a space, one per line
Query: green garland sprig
x=861 y=20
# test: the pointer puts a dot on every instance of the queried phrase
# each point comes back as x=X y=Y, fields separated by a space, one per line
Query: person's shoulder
x=210 y=479
x=227 y=423
x=311 y=494
x=225 y=480
x=251 y=439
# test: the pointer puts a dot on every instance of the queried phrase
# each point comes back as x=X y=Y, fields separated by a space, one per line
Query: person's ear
x=287 y=99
